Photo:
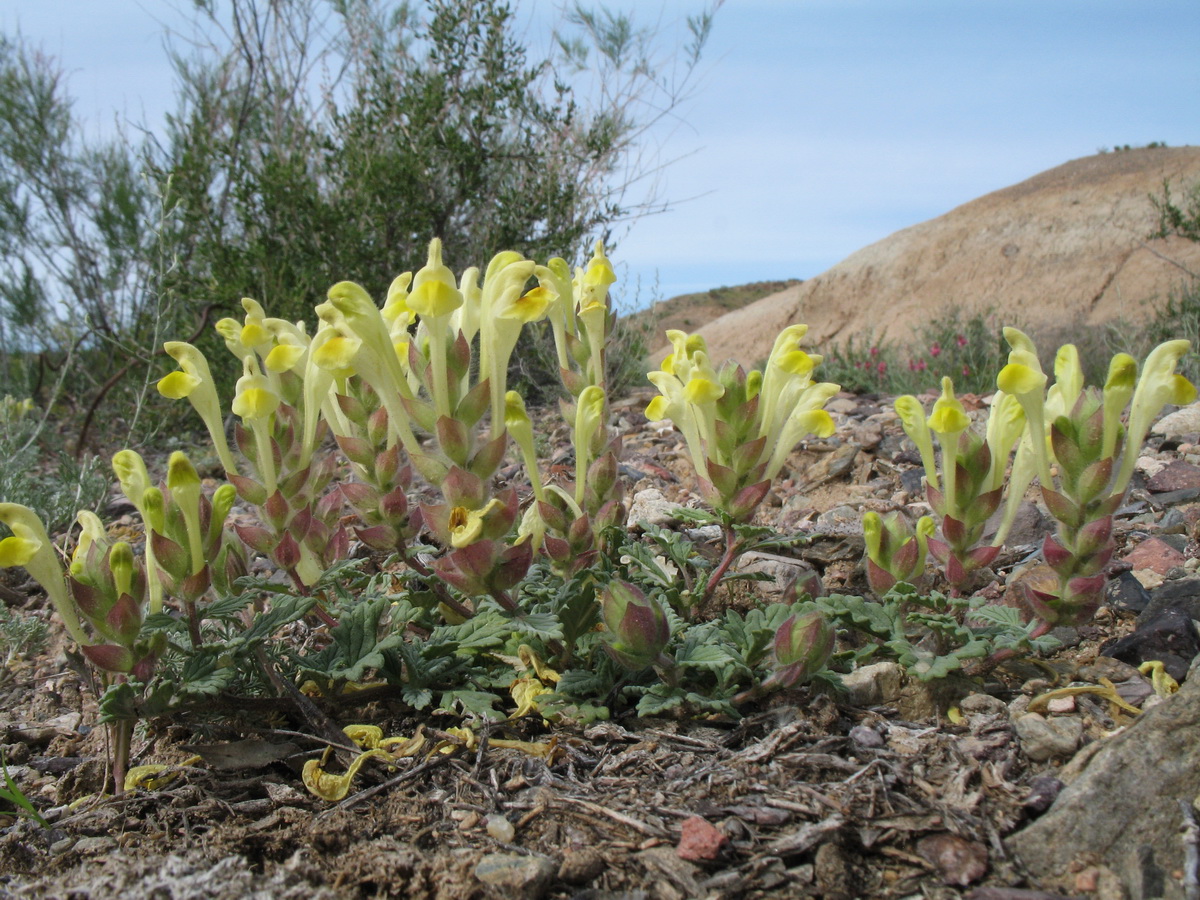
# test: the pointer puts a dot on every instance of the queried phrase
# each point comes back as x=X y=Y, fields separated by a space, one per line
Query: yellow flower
x=177 y=385
x=466 y=526
x=184 y=484
x=283 y=357
x=1118 y=388
x=517 y=421
x=948 y=416
x=254 y=399
x=658 y=409
x=195 y=382
x=595 y=280
x=434 y=298
x=434 y=293
x=91 y=532
x=700 y=389
x=1159 y=385
x=30 y=546
x=19 y=548
x=336 y=353
x=527 y=307
x=912 y=419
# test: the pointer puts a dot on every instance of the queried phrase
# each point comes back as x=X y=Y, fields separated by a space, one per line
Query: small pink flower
x=936 y=349
x=961 y=340
x=874 y=351
x=921 y=366
x=881 y=368
x=966 y=370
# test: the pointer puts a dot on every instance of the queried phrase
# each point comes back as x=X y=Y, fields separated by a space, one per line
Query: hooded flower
x=194 y=381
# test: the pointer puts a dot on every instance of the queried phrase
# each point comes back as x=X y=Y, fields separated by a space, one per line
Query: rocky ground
x=890 y=789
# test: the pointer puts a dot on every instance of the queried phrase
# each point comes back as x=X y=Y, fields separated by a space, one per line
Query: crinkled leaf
x=357 y=640
x=545 y=626
x=285 y=609
x=470 y=703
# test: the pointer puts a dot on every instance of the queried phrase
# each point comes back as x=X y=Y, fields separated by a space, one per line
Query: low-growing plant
x=495 y=599
x=1079 y=442
x=498 y=600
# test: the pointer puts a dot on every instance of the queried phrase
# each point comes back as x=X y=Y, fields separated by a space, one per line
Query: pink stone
x=1155 y=554
x=1175 y=476
x=700 y=840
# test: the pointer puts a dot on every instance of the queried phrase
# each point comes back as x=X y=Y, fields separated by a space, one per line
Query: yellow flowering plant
x=969 y=486
x=1084 y=442
x=740 y=427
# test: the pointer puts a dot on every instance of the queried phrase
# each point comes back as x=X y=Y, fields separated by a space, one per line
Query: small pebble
x=1061 y=705
x=500 y=828
x=866 y=738
x=93 y=845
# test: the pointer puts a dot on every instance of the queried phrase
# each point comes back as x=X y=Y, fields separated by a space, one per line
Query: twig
x=324 y=726
x=81 y=441
x=629 y=821
x=1190 y=835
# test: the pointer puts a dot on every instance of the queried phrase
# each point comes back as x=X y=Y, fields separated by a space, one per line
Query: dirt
x=807 y=795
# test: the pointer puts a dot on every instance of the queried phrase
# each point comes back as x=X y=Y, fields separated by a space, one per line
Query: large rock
x=1065 y=248
x=1123 y=809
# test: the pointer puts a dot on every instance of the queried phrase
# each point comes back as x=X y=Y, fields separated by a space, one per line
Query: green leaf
x=207 y=672
x=660 y=699
x=701 y=650
x=285 y=609
x=544 y=626
x=880 y=620
x=13 y=794
x=485 y=630
x=227 y=608
x=118 y=704
x=357 y=640
x=470 y=703
x=416 y=697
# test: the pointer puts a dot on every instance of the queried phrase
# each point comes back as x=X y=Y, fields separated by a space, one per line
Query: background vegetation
x=313 y=141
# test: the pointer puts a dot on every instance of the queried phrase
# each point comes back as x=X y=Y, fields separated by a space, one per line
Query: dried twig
x=629 y=821
x=1190 y=836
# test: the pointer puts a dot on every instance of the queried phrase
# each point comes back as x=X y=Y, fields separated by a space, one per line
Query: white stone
x=1183 y=421
x=652 y=507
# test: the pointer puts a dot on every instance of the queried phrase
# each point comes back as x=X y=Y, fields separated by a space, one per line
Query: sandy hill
x=1067 y=247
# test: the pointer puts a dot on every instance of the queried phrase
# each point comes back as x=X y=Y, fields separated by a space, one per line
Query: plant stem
x=438 y=587
x=319 y=609
x=121 y=734
x=193 y=623
x=732 y=549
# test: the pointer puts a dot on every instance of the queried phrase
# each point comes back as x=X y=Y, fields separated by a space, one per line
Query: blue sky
x=817 y=126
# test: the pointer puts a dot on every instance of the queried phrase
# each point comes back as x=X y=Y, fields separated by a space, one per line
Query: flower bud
x=120 y=563
x=638 y=626
x=803 y=644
